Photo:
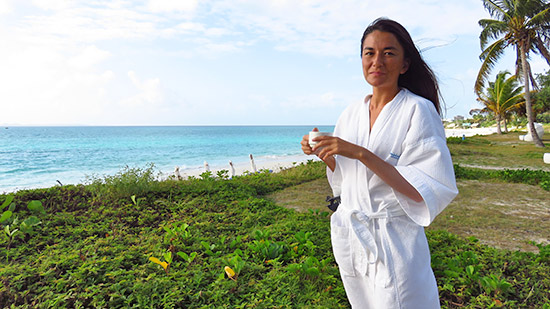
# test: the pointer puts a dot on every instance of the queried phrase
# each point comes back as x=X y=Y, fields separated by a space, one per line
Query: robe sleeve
x=426 y=164
x=335 y=179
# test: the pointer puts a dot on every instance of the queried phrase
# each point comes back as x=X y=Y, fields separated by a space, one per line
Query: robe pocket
x=341 y=248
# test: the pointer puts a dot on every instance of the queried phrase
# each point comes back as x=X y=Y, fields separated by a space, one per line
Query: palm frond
x=532 y=78
x=540 y=18
x=541 y=48
x=492 y=30
x=495 y=8
x=489 y=56
x=502 y=95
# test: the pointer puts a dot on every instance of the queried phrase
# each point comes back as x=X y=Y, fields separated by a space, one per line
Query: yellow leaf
x=154 y=260
x=230 y=272
x=157 y=261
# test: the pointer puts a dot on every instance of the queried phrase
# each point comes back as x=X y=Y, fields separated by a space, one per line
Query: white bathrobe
x=377 y=233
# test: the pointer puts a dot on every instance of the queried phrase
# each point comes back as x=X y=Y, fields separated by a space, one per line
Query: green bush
x=526 y=176
x=129 y=181
x=543 y=118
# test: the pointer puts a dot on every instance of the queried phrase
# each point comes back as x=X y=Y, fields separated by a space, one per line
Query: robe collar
x=371 y=135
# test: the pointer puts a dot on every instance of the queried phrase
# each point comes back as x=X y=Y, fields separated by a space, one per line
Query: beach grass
x=498 y=151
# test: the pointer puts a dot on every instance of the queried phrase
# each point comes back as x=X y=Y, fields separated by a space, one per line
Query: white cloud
x=316 y=101
x=5 y=7
x=325 y=27
x=50 y=83
x=54 y=5
x=88 y=57
x=172 y=5
x=148 y=92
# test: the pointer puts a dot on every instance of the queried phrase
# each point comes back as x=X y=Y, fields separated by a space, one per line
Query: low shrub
x=526 y=176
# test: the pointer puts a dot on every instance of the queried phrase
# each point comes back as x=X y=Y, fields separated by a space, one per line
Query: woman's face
x=383 y=60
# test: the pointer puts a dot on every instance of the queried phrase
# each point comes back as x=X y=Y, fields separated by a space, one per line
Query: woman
x=389 y=163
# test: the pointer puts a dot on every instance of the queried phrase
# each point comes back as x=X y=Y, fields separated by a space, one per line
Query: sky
x=225 y=62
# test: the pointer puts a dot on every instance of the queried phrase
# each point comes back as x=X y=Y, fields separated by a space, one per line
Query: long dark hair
x=419 y=78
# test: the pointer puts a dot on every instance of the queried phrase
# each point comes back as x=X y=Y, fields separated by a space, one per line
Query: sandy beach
x=262 y=163
x=470 y=132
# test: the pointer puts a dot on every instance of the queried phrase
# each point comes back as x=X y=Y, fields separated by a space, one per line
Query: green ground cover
x=130 y=241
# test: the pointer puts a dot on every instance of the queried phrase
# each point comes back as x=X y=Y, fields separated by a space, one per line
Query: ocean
x=39 y=157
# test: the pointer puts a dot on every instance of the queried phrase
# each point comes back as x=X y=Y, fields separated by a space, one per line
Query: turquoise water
x=36 y=157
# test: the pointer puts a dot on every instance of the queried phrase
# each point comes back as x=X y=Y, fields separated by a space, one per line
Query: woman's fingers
x=305 y=145
x=325 y=144
x=329 y=146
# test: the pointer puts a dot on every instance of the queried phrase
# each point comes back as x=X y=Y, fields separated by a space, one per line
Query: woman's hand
x=305 y=143
x=306 y=148
x=328 y=146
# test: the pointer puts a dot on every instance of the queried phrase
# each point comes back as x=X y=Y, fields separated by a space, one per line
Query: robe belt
x=361 y=223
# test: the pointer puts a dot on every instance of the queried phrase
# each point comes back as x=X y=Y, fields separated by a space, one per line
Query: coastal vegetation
x=524 y=26
x=130 y=240
x=501 y=97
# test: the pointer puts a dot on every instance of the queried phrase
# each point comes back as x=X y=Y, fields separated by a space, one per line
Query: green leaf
x=168 y=257
x=5 y=215
x=8 y=201
x=36 y=207
x=27 y=225
x=25 y=228
x=313 y=271
x=134 y=199
x=10 y=233
x=470 y=270
x=31 y=221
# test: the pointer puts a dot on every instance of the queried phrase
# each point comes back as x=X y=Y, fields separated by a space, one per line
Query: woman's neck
x=381 y=97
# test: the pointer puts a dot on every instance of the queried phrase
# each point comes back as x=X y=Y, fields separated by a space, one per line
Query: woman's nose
x=377 y=60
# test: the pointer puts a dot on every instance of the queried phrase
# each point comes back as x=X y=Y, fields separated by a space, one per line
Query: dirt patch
x=310 y=195
x=502 y=215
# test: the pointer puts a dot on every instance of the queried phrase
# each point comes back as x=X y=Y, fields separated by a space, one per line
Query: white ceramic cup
x=314 y=134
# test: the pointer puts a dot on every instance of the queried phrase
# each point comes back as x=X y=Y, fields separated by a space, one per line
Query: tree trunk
x=498 y=124
x=505 y=125
x=528 y=105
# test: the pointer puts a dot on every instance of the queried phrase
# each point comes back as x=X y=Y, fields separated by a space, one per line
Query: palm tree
x=524 y=25
x=503 y=95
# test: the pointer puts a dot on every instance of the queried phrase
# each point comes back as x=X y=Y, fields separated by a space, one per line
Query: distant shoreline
x=262 y=163
x=470 y=132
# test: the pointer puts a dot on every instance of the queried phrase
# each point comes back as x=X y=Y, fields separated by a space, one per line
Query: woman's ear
x=406 y=64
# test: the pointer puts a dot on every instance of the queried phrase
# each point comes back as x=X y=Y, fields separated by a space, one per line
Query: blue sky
x=240 y=62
